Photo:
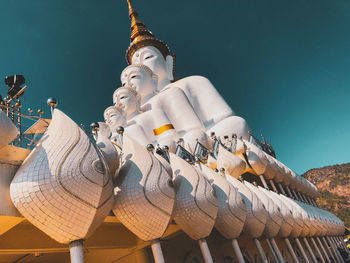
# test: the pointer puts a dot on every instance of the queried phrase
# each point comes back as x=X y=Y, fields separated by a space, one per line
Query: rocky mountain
x=333 y=183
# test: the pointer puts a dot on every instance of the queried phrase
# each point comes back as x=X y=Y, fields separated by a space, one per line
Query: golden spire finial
x=141 y=36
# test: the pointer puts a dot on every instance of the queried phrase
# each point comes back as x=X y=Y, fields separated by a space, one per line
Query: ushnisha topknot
x=142 y=37
x=144 y=67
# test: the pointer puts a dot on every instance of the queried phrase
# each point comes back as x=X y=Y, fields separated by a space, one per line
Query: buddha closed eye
x=148 y=56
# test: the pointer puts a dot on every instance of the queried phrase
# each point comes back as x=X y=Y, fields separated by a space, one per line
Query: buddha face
x=127 y=101
x=113 y=117
x=152 y=58
x=139 y=79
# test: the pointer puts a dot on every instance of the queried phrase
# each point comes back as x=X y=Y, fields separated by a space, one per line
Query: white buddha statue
x=215 y=114
x=173 y=103
x=152 y=126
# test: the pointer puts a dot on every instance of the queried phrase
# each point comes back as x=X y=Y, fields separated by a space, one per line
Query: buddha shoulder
x=193 y=81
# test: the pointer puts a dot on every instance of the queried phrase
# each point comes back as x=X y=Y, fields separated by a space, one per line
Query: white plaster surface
x=64 y=186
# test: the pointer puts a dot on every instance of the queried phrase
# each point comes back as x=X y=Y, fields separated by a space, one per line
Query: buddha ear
x=169 y=60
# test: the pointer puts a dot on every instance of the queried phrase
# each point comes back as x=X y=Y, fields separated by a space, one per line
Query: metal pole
x=262 y=179
x=310 y=250
x=302 y=251
x=260 y=250
x=157 y=251
x=323 y=249
x=317 y=249
x=76 y=251
x=238 y=251
x=291 y=250
x=272 y=251
x=205 y=250
x=278 y=252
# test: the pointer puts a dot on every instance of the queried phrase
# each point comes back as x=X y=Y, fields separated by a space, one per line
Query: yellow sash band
x=162 y=129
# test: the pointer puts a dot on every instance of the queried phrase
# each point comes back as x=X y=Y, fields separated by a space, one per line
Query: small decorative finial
x=52 y=103
x=40 y=112
x=150 y=147
x=165 y=148
x=18 y=104
x=30 y=110
x=120 y=130
x=94 y=126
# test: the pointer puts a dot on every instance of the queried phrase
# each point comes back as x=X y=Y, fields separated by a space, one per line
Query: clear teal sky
x=282 y=65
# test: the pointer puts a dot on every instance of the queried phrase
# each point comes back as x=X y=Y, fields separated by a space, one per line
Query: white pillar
x=272 y=250
x=323 y=249
x=260 y=250
x=317 y=249
x=262 y=179
x=76 y=251
x=291 y=250
x=205 y=250
x=302 y=251
x=238 y=251
x=335 y=251
x=278 y=252
x=328 y=248
x=282 y=189
x=310 y=250
x=273 y=186
x=157 y=251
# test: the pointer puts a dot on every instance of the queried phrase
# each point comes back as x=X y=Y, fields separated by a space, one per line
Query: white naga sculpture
x=144 y=198
x=196 y=206
x=8 y=131
x=232 y=211
x=208 y=105
x=64 y=186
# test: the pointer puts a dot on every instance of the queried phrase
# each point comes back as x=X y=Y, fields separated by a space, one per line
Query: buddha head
x=128 y=100
x=140 y=78
x=114 y=117
x=147 y=50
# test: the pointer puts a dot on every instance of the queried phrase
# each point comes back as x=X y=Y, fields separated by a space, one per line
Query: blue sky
x=282 y=65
